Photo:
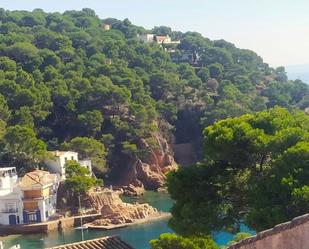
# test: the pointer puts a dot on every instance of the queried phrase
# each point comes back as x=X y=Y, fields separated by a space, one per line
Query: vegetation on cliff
x=66 y=82
x=79 y=179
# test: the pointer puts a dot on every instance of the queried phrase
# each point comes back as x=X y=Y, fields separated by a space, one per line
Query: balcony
x=9 y=210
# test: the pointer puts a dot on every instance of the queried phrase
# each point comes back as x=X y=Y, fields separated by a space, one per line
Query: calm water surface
x=138 y=236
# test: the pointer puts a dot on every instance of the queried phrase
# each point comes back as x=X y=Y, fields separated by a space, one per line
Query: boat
x=81 y=228
x=17 y=246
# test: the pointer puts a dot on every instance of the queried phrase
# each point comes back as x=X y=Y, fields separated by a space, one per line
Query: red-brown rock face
x=152 y=169
x=149 y=170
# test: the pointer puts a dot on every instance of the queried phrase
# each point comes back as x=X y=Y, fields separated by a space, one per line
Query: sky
x=278 y=30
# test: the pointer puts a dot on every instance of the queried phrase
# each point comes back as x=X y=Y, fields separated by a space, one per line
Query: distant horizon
x=301 y=72
x=276 y=30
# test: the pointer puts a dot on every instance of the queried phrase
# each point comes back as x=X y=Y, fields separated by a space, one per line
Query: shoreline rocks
x=134 y=189
x=116 y=212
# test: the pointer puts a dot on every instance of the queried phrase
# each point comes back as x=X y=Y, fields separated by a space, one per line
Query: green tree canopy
x=78 y=178
x=173 y=241
x=254 y=170
x=21 y=148
x=89 y=148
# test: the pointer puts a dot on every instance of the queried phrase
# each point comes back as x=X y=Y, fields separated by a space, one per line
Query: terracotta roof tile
x=60 y=152
x=100 y=243
x=37 y=177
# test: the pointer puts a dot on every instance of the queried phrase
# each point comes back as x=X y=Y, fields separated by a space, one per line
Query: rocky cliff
x=149 y=170
x=114 y=211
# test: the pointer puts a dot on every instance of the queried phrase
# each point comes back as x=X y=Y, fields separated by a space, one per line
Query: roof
x=37 y=177
x=100 y=243
x=301 y=222
x=61 y=153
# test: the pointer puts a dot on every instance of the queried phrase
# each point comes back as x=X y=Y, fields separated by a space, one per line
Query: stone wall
x=47 y=226
x=289 y=235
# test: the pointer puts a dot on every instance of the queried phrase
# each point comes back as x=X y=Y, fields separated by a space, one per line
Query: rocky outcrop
x=114 y=211
x=158 y=160
x=147 y=169
x=135 y=188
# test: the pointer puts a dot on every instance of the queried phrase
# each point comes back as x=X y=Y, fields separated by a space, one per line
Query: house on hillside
x=163 y=39
x=106 y=27
x=39 y=195
x=160 y=39
x=147 y=38
x=181 y=56
x=56 y=163
x=11 y=208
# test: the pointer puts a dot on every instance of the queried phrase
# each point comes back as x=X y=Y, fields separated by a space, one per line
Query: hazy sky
x=278 y=30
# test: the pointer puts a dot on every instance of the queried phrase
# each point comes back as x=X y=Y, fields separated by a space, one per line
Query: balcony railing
x=10 y=210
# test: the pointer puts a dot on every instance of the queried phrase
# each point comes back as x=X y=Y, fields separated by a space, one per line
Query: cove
x=138 y=236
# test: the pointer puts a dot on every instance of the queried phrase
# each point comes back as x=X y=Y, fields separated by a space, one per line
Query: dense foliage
x=173 y=241
x=255 y=171
x=63 y=76
x=78 y=178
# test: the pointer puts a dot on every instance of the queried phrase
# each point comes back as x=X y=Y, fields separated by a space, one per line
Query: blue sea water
x=138 y=236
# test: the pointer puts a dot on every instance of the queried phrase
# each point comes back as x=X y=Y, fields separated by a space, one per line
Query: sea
x=138 y=236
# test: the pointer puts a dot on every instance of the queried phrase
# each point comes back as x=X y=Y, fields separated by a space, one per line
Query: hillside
x=65 y=76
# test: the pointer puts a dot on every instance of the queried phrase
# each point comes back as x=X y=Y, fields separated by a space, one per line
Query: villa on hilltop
x=160 y=39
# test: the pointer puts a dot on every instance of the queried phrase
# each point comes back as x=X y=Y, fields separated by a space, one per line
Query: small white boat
x=12 y=247
x=15 y=247
x=81 y=228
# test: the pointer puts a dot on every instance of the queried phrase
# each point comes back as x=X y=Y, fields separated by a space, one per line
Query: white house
x=147 y=38
x=11 y=208
x=106 y=27
x=33 y=198
x=56 y=163
x=39 y=195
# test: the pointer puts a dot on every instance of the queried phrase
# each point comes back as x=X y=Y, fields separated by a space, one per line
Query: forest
x=67 y=83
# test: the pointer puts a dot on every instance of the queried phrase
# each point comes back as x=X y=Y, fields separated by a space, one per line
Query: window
x=65 y=159
x=32 y=217
x=10 y=207
x=72 y=157
x=46 y=214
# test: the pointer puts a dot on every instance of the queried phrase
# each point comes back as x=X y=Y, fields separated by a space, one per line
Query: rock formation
x=114 y=211
x=150 y=169
x=135 y=188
